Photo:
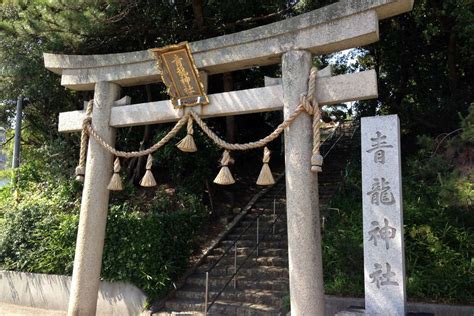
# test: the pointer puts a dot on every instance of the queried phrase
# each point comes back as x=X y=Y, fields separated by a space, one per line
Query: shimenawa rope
x=307 y=104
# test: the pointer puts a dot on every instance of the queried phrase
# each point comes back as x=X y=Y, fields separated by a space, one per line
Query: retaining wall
x=51 y=292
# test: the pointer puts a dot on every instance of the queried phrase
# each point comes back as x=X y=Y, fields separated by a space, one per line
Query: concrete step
x=262 y=261
x=249 y=269
x=251 y=243
x=266 y=216
x=263 y=221
x=243 y=251
x=219 y=308
x=280 y=228
x=255 y=296
x=251 y=237
x=216 y=283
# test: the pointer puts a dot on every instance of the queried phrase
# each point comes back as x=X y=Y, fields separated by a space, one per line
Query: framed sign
x=180 y=75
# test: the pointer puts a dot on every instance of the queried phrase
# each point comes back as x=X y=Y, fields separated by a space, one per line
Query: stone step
x=266 y=215
x=262 y=261
x=219 y=308
x=250 y=237
x=251 y=243
x=256 y=296
x=273 y=252
x=249 y=270
x=280 y=228
x=268 y=201
x=216 y=283
x=264 y=220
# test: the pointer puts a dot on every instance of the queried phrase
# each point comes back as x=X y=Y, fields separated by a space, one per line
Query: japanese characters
x=383 y=220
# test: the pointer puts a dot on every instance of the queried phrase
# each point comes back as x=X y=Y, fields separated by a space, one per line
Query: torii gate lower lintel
x=342 y=25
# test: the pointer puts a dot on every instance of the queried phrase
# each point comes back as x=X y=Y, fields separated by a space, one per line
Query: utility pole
x=16 y=149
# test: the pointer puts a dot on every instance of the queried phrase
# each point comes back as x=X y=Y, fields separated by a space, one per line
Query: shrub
x=147 y=244
x=151 y=249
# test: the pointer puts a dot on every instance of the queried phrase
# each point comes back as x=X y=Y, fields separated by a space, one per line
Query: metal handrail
x=336 y=131
x=230 y=247
x=238 y=238
x=207 y=305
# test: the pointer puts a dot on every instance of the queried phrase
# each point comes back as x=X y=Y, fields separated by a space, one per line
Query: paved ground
x=9 y=309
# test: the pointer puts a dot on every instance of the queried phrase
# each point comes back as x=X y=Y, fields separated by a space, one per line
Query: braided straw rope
x=81 y=167
x=252 y=145
x=140 y=153
x=307 y=104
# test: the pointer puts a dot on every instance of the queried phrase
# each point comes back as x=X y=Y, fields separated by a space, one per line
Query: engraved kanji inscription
x=380 y=193
x=383 y=279
x=378 y=142
x=183 y=74
x=384 y=233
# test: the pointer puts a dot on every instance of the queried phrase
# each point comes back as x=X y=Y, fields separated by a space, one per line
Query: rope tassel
x=187 y=144
x=115 y=183
x=148 y=179
x=225 y=177
x=265 y=177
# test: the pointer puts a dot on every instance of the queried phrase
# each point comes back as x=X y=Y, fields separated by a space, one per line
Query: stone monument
x=384 y=258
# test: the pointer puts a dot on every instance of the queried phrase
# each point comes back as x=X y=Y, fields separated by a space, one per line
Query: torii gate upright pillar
x=94 y=207
x=302 y=200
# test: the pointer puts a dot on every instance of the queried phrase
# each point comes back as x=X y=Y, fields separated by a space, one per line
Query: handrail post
x=274 y=214
x=206 y=295
x=258 y=224
x=235 y=266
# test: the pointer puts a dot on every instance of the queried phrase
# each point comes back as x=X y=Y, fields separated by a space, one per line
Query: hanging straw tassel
x=115 y=183
x=187 y=144
x=148 y=179
x=265 y=177
x=225 y=177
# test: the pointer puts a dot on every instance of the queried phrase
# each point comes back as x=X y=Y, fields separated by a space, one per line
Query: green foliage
x=147 y=244
x=188 y=170
x=152 y=248
x=424 y=64
x=342 y=244
x=439 y=234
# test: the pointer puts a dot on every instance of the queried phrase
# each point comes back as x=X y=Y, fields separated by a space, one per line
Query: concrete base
x=349 y=306
x=51 y=292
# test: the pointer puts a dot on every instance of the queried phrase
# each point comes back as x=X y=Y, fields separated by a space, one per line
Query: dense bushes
x=438 y=192
x=147 y=244
x=151 y=249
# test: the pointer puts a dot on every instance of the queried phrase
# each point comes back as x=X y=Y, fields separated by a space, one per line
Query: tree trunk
x=140 y=161
x=198 y=14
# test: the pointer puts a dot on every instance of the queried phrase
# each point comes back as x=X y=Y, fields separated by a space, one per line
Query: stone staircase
x=262 y=281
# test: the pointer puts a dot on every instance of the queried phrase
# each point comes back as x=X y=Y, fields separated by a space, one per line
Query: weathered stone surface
x=342 y=25
x=329 y=90
x=384 y=9
x=384 y=261
x=304 y=234
x=94 y=207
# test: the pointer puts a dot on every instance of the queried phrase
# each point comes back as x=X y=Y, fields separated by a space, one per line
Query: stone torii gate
x=342 y=25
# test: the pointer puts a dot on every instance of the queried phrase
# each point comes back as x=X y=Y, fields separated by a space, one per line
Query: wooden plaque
x=180 y=75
